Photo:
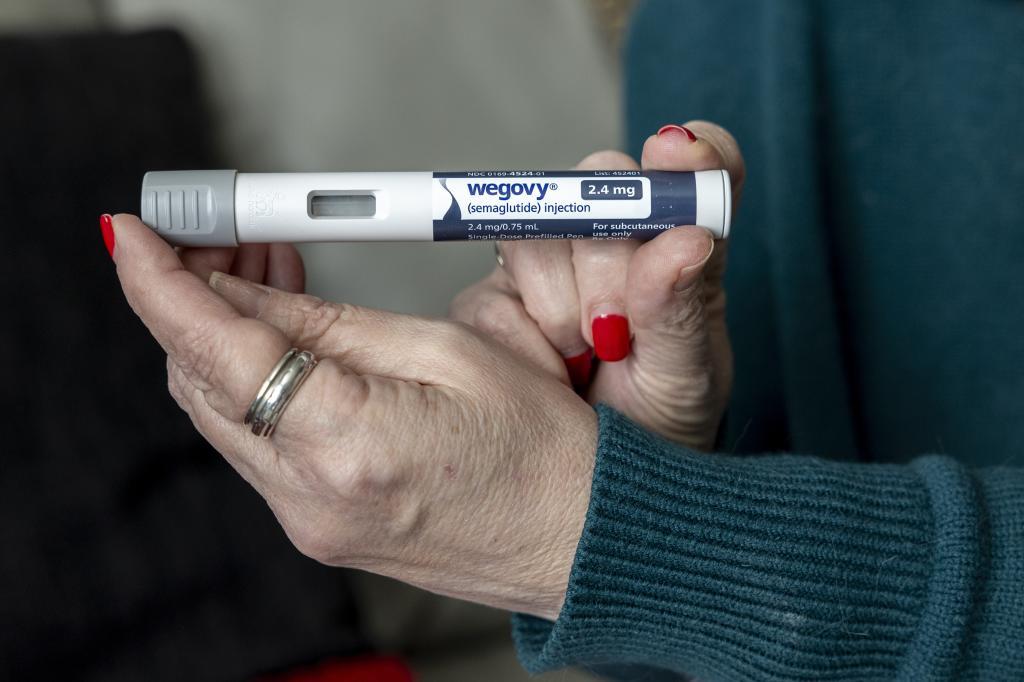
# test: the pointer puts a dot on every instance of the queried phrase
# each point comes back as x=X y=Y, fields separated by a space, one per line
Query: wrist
x=569 y=496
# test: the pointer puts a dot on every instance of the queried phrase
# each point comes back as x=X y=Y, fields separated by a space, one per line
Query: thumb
x=665 y=297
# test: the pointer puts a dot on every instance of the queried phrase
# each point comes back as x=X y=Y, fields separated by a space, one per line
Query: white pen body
x=276 y=207
x=226 y=208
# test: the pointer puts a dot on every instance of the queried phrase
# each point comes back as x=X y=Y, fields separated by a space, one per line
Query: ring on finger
x=277 y=391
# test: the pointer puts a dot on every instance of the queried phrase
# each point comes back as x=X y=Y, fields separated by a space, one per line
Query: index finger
x=601 y=268
x=222 y=353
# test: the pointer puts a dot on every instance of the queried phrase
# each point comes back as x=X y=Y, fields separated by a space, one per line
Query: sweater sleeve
x=785 y=567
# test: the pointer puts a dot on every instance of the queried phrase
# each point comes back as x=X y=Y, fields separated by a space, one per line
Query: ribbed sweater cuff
x=761 y=568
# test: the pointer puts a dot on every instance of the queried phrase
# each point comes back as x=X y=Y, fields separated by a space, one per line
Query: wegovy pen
x=227 y=208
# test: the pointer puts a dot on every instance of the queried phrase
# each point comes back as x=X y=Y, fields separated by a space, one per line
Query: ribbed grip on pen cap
x=191 y=208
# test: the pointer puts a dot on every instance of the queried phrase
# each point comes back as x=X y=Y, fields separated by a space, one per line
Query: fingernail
x=107 y=228
x=691 y=273
x=579 y=367
x=247 y=297
x=611 y=336
x=679 y=129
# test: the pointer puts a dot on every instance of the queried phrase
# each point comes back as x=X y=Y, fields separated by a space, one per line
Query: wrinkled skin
x=418 y=449
x=677 y=378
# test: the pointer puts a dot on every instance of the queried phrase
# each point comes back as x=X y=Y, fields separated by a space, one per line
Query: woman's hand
x=417 y=449
x=276 y=265
x=552 y=302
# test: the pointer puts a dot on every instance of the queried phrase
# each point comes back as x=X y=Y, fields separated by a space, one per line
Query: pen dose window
x=335 y=205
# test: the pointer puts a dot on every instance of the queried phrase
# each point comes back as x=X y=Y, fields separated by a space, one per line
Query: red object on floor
x=367 y=669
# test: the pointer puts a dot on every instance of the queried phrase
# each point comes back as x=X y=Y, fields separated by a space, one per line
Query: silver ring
x=498 y=257
x=278 y=390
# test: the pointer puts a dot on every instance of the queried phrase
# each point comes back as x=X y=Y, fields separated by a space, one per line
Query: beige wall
x=400 y=85
x=47 y=15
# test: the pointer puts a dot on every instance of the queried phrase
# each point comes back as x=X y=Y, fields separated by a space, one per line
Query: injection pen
x=227 y=208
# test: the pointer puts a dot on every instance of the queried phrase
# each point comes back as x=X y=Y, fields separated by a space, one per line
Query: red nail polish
x=107 y=228
x=579 y=367
x=611 y=337
x=682 y=129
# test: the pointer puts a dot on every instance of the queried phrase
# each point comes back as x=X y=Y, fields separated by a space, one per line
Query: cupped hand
x=418 y=449
x=653 y=312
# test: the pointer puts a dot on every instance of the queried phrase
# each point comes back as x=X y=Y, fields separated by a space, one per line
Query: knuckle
x=353 y=394
x=317 y=318
x=463 y=307
x=688 y=319
x=463 y=341
x=453 y=336
x=498 y=317
x=307 y=511
x=374 y=477
x=200 y=347
x=174 y=383
x=359 y=477
x=558 y=323
x=210 y=355
x=328 y=403
x=174 y=389
x=310 y=540
x=184 y=395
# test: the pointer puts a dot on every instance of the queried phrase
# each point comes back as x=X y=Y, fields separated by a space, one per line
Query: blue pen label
x=560 y=204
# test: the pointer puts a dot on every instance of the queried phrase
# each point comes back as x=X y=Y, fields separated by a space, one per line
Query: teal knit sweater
x=876 y=292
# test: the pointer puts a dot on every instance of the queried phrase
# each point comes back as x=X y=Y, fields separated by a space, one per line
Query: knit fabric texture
x=784 y=567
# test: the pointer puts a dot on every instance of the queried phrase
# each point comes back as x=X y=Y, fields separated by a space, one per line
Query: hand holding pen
x=451 y=447
x=653 y=313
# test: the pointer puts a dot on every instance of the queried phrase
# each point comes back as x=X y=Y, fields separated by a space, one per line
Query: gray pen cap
x=191 y=208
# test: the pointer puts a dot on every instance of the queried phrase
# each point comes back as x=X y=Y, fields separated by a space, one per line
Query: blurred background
x=140 y=556
x=385 y=85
